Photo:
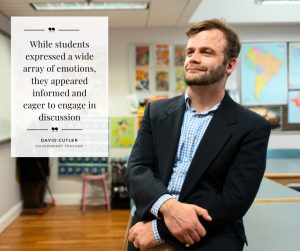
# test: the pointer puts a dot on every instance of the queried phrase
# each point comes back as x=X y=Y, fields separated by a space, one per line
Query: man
x=198 y=159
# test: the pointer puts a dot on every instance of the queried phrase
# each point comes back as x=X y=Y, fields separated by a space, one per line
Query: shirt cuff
x=157 y=237
x=156 y=206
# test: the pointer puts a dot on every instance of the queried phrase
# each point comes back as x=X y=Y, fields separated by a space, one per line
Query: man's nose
x=196 y=57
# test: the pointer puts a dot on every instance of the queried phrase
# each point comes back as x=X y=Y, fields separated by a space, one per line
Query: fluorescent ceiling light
x=277 y=2
x=92 y=6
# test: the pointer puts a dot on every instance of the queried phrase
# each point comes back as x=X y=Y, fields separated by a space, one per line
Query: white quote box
x=59 y=97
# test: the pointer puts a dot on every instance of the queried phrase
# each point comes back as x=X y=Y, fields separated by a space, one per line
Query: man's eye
x=189 y=53
x=207 y=53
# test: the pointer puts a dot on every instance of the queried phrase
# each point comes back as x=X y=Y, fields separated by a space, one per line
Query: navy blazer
x=224 y=175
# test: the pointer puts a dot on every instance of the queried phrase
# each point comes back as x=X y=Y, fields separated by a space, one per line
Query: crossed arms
x=180 y=218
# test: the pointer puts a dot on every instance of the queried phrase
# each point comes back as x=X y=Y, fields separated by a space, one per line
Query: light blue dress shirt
x=193 y=128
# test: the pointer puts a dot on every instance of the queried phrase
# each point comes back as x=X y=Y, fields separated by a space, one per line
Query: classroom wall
x=5 y=87
x=5 y=78
x=68 y=190
x=4 y=23
x=10 y=200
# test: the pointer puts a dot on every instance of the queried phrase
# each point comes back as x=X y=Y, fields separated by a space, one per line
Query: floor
x=66 y=228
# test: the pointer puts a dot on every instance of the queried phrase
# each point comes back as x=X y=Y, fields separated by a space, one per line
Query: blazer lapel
x=168 y=138
x=215 y=137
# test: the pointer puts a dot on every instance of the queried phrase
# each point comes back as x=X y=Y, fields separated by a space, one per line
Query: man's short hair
x=233 y=46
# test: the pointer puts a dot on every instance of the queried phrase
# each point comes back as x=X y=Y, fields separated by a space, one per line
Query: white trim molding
x=10 y=216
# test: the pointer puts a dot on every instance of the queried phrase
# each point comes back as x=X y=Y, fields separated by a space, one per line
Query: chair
x=91 y=178
x=279 y=153
x=132 y=211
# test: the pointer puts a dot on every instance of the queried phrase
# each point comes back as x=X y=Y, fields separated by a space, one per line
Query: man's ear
x=231 y=66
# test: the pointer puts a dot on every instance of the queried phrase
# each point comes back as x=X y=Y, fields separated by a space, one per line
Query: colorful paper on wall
x=162 y=55
x=179 y=55
x=122 y=132
x=142 y=79
x=180 y=83
x=142 y=55
x=162 y=80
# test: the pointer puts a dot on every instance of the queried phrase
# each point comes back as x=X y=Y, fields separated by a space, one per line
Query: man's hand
x=182 y=220
x=142 y=236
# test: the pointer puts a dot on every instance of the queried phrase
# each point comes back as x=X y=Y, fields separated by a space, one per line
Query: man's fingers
x=130 y=230
x=131 y=238
x=203 y=212
x=131 y=234
x=200 y=230
x=195 y=236
x=188 y=240
x=189 y=237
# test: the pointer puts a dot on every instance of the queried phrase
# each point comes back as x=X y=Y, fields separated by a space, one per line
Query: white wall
x=4 y=23
x=10 y=201
x=5 y=77
x=5 y=87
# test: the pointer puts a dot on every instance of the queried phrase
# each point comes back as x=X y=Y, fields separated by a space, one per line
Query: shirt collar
x=188 y=106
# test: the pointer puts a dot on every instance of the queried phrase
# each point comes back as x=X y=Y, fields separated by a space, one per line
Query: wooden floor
x=66 y=228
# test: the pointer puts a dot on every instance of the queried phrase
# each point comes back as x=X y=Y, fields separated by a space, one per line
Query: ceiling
x=247 y=12
x=170 y=13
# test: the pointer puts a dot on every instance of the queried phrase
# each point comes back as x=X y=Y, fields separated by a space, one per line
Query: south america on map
x=264 y=74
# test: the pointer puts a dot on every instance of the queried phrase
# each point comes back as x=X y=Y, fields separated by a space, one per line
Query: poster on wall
x=141 y=79
x=122 y=132
x=294 y=107
x=142 y=55
x=162 y=55
x=264 y=73
x=162 y=80
x=180 y=55
x=180 y=82
x=294 y=63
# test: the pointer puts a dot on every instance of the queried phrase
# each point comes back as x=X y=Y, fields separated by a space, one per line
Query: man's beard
x=211 y=77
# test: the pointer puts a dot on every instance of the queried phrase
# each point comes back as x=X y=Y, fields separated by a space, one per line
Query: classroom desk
x=271 y=191
x=284 y=171
x=272 y=223
x=265 y=224
x=273 y=227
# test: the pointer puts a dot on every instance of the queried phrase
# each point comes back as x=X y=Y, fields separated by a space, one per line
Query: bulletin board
x=157 y=69
x=78 y=166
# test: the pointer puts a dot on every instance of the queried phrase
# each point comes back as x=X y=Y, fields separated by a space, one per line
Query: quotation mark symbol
x=54 y=129
x=51 y=29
